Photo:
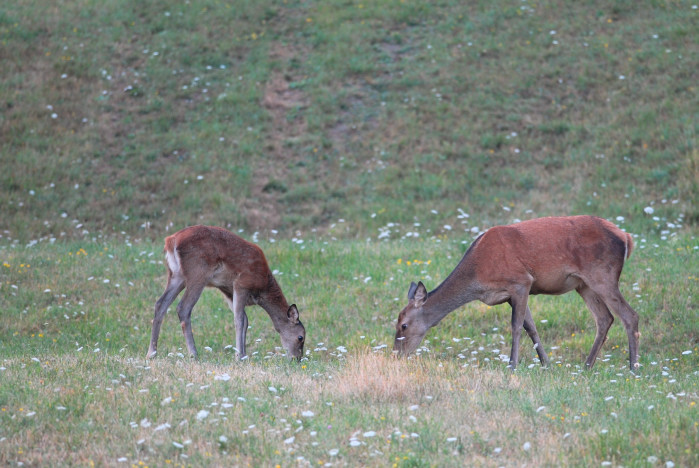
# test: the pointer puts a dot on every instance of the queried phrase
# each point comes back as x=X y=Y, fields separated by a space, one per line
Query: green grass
x=77 y=390
x=292 y=115
x=366 y=144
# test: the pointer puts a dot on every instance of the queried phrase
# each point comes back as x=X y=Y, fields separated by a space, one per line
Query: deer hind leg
x=175 y=285
x=236 y=302
x=603 y=320
x=184 y=312
x=530 y=328
x=615 y=301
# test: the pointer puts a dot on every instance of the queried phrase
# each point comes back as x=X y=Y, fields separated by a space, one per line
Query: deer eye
x=300 y=339
x=404 y=326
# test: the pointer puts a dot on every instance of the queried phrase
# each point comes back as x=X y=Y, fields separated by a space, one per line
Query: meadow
x=77 y=390
x=362 y=145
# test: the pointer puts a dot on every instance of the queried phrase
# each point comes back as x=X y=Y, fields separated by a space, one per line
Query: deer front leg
x=241 y=331
x=530 y=328
x=237 y=303
x=519 y=312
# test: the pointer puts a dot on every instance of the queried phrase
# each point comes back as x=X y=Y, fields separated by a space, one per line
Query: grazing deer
x=539 y=256
x=201 y=256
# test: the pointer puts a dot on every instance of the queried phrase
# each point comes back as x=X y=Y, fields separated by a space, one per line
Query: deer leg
x=174 y=287
x=603 y=320
x=616 y=302
x=236 y=302
x=184 y=312
x=530 y=328
x=241 y=330
x=519 y=311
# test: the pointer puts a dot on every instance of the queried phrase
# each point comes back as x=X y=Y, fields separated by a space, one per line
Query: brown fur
x=540 y=256
x=215 y=257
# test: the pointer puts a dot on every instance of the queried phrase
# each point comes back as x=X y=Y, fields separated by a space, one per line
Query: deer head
x=411 y=326
x=293 y=334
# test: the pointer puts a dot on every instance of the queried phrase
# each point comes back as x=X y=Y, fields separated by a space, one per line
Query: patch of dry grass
x=378 y=377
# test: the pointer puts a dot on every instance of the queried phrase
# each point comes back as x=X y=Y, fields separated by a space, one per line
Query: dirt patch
x=394 y=51
x=280 y=99
x=285 y=104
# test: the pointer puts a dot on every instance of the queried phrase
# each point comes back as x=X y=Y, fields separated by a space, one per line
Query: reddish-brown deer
x=539 y=256
x=201 y=256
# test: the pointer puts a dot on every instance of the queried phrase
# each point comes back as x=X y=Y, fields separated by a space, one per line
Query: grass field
x=363 y=145
x=76 y=388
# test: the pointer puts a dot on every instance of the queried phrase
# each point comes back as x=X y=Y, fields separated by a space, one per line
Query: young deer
x=201 y=256
x=540 y=256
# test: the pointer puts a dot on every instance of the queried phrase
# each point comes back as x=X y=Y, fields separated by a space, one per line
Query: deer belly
x=556 y=285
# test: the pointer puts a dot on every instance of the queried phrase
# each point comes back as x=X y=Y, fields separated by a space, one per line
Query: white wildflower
x=162 y=427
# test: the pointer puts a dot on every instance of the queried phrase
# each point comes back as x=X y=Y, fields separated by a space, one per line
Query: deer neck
x=272 y=300
x=458 y=289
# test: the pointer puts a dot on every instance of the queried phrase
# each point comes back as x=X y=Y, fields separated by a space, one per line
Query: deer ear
x=293 y=314
x=420 y=294
x=411 y=291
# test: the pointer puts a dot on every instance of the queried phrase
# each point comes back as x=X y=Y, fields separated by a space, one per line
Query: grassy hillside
x=290 y=115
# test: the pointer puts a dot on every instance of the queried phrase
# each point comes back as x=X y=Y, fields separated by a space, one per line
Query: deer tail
x=171 y=255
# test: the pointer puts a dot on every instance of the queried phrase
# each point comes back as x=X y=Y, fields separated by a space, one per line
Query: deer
x=201 y=256
x=553 y=256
